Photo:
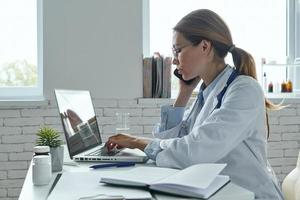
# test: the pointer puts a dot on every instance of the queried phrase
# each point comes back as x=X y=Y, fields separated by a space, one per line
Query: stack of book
x=157 y=76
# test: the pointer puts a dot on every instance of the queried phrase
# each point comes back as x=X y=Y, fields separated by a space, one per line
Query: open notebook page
x=198 y=176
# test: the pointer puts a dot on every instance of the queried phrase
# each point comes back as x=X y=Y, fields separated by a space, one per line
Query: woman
x=227 y=122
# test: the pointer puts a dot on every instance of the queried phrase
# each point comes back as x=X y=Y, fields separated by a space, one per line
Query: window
x=259 y=27
x=20 y=49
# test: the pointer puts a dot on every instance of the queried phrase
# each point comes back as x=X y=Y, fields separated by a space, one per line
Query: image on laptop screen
x=79 y=120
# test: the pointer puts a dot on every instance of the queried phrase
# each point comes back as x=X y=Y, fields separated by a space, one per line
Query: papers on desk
x=200 y=181
x=81 y=185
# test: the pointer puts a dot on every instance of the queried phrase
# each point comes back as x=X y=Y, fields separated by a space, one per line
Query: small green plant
x=48 y=137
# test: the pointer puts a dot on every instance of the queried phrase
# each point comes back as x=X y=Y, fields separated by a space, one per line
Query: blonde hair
x=204 y=24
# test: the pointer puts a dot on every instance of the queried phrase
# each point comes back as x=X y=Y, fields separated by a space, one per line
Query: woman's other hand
x=185 y=92
x=126 y=141
x=188 y=88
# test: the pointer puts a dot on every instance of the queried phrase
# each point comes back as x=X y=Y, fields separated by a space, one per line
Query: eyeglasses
x=176 y=51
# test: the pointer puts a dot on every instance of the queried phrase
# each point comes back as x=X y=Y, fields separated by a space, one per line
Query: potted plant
x=50 y=137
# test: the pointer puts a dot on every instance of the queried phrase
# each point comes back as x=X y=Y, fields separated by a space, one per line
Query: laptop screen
x=79 y=120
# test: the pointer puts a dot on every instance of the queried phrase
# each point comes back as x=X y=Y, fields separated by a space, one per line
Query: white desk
x=29 y=191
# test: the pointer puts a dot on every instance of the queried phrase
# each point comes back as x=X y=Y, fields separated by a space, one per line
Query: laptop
x=82 y=133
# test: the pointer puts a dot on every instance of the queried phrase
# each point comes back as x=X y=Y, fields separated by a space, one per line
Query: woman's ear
x=205 y=45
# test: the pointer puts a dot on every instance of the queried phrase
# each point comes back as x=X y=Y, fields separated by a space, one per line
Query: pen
x=123 y=164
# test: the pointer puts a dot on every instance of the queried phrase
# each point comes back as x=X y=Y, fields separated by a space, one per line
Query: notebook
x=198 y=181
x=82 y=133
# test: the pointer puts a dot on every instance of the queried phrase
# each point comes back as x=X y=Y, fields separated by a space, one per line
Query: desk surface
x=29 y=191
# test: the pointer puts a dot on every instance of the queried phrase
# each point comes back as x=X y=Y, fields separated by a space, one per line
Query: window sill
x=283 y=95
x=22 y=103
x=286 y=98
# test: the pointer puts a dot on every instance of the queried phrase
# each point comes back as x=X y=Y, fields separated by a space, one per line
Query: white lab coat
x=234 y=134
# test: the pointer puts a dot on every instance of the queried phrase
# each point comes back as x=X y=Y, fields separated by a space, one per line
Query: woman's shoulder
x=247 y=85
x=246 y=91
x=246 y=81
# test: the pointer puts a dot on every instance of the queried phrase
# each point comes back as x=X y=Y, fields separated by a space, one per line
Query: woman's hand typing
x=126 y=141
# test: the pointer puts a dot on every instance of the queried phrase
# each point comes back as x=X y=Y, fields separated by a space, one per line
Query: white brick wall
x=18 y=129
x=3 y=192
x=22 y=121
x=3 y=175
x=10 y=130
x=9 y=113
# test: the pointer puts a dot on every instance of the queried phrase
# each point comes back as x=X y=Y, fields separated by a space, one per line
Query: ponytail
x=244 y=62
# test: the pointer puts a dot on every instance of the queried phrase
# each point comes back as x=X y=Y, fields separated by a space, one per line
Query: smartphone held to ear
x=188 y=82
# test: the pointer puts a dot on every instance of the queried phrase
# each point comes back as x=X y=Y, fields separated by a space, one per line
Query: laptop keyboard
x=103 y=152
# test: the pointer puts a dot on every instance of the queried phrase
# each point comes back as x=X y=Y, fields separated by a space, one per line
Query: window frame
x=292 y=40
x=35 y=92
